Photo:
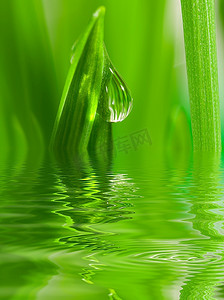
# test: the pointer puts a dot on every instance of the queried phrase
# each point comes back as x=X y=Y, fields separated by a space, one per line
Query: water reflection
x=90 y=230
x=205 y=275
x=91 y=195
x=48 y=212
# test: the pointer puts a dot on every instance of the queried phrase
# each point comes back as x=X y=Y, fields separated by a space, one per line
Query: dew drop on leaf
x=115 y=101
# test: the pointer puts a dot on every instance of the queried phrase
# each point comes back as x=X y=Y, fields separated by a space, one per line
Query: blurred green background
x=144 y=39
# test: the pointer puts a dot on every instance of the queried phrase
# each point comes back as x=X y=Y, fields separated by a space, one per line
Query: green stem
x=201 y=58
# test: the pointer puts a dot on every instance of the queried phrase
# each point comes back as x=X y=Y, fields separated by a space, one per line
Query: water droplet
x=116 y=101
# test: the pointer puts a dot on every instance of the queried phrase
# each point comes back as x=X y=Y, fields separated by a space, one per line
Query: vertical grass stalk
x=201 y=58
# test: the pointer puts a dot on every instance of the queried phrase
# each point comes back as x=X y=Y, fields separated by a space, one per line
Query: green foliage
x=29 y=89
x=36 y=39
x=94 y=96
x=82 y=90
x=201 y=57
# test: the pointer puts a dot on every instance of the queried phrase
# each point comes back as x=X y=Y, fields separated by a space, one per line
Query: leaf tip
x=100 y=12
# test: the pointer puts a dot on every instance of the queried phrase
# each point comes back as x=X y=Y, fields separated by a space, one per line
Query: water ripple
x=104 y=234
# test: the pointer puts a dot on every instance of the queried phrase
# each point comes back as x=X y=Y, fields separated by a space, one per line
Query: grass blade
x=201 y=57
x=79 y=102
x=94 y=96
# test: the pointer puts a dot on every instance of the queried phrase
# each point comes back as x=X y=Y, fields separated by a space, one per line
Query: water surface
x=93 y=230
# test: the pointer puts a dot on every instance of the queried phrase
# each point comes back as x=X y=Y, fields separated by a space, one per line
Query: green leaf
x=82 y=89
x=94 y=96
